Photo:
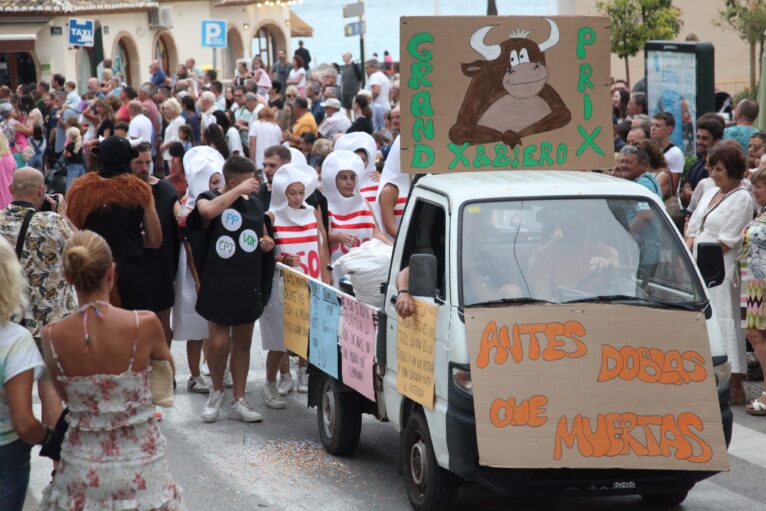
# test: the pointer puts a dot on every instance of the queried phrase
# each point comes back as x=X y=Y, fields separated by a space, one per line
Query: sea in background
x=382 y=22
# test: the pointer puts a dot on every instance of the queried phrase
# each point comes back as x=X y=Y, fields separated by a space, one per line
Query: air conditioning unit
x=161 y=17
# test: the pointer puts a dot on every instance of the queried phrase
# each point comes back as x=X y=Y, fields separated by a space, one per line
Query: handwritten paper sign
x=416 y=339
x=296 y=312
x=325 y=312
x=357 y=344
x=505 y=92
x=594 y=386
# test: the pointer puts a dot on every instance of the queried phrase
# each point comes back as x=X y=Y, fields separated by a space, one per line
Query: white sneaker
x=285 y=384
x=204 y=369
x=240 y=411
x=271 y=395
x=303 y=380
x=213 y=406
x=197 y=385
x=227 y=381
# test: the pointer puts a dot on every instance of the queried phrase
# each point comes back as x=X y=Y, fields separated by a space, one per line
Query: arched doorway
x=267 y=40
x=125 y=59
x=234 y=50
x=165 y=52
x=16 y=68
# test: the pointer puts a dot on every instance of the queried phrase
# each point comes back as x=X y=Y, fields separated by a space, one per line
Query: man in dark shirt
x=709 y=132
x=304 y=54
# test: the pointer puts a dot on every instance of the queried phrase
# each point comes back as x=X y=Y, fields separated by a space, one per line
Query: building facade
x=34 y=36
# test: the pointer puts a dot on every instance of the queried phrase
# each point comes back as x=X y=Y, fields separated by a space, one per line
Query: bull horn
x=489 y=52
x=553 y=39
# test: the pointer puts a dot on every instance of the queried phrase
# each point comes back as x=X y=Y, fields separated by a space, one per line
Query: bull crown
x=519 y=33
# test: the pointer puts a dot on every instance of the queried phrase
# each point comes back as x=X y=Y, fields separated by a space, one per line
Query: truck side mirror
x=710 y=263
x=423 y=275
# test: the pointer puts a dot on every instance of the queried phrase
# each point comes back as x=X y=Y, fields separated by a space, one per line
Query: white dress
x=724 y=224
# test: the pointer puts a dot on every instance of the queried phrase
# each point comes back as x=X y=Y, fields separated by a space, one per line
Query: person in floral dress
x=113 y=454
x=752 y=258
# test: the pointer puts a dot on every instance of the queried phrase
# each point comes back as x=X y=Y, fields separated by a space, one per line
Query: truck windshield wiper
x=634 y=300
x=509 y=301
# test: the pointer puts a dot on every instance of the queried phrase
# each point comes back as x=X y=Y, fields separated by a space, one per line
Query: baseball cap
x=116 y=153
x=332 y=103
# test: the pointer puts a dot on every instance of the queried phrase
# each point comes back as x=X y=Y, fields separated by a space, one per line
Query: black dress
x=235 y=279
x=120 y=226
x=162 y=262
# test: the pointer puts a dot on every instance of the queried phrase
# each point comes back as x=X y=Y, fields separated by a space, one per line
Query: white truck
x=507 y=240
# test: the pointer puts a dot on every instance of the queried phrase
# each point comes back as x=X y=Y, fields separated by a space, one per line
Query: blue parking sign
x=81 y=32
x=214 y=33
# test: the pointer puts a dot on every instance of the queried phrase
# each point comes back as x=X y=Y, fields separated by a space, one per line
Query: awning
x=298 y=27
x=19 y=36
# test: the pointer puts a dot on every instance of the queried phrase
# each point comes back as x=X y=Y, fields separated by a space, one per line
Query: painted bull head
x=509 y=96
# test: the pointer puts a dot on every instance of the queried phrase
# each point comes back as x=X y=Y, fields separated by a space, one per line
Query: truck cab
x=510 y=239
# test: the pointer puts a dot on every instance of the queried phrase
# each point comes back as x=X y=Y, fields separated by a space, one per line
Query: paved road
x=279 y=464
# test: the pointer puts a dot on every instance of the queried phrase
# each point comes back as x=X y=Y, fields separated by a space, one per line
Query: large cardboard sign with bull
x=505 y=92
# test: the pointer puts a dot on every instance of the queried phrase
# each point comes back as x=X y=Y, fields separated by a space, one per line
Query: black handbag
x=52 y=447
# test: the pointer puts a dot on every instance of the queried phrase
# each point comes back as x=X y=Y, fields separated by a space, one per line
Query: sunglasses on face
x=289 y=95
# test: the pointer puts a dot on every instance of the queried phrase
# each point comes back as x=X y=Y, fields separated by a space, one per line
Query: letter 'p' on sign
x=214 y=33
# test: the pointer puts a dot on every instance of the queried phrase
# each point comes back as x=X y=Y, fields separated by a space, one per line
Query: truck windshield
x=574 y=250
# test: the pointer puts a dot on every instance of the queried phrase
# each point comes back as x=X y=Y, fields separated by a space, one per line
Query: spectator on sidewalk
x=304 y=54
x=279 y=71
x=336 y=122
x=662 y=127
x=378 y=84
x=20 y=365
x=350 y=82
x=744 y=117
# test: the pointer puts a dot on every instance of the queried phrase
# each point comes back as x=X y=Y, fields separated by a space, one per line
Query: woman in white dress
x=171 y=111
x=723 y=212
x=203 y=166
x=297 y=76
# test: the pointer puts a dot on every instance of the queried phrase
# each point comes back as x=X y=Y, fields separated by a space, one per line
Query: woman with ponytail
x=113 y=454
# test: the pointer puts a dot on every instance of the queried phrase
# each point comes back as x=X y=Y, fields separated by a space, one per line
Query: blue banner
x=323 y=330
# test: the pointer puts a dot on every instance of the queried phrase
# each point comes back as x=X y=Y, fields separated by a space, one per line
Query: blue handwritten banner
x=323 y=330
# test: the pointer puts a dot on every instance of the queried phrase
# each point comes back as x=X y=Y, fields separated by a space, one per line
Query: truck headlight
x=461 y=378
x=722 y=374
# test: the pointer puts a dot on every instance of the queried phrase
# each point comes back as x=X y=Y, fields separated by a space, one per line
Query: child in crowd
x=185 y=136
x=203 y=166
x=235 y=278
x=298 y=230
x=351 y=219
x=75 y=164
x=364 y=146
x=38 y=144
x=121 y=129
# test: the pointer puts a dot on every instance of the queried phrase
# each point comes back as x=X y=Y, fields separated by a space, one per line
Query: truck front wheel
x=665 y=499
x=429 y=486
x=339 y=419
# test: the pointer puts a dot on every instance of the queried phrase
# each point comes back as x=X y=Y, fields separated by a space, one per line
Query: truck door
x=424 y=230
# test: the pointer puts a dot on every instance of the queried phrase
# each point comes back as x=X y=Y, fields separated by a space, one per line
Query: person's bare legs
x=274 y=363
x=164 y=317
x=284 y=366
x=217 y=353
x=757 y=339
x=193 y=356
x=242 y=336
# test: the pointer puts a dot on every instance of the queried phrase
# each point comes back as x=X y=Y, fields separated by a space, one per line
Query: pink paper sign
x=357 y=346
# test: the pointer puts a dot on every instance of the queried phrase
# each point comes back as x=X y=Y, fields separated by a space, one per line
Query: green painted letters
x=422 y=128
x=585 y=37
x=413 y=46
x=422 y=156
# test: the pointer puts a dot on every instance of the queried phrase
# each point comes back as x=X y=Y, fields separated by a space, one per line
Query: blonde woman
x=75 y=164
x=7 y=168
x=20 y=365
x=265 y=132
x=171 y=111
x=113 y=454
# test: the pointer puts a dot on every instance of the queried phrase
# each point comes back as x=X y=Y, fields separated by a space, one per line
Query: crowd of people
x=135 y=214
x=169 y=203
x=718 y=198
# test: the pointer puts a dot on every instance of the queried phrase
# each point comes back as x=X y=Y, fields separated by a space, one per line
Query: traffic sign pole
x=361 y=35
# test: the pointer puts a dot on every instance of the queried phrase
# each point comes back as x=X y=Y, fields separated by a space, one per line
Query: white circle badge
x=225 y=247
x=231 y=219
x=248 y=240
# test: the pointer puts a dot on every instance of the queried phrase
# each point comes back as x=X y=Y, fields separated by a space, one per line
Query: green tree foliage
x=634 y=22
x=748 y=19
